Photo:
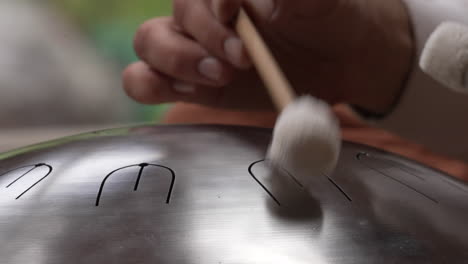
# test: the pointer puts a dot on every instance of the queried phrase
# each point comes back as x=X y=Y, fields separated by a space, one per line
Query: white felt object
x=429 y=113
x=306 y=139
x=445 y=56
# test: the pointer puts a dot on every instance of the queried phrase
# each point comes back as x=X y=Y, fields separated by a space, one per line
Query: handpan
x=206 y=194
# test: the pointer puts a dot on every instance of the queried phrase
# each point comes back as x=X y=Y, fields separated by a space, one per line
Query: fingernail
x=263 y=8
x=211 y=68
x=184 y=88
x=235 y=52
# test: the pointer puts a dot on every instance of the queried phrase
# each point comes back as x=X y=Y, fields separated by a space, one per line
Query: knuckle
x=194 y=18
x=213 y=40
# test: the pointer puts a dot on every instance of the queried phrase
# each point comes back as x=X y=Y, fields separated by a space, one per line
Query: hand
x=353 y=51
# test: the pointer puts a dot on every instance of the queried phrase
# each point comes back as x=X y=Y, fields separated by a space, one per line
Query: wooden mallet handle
x=274 y=79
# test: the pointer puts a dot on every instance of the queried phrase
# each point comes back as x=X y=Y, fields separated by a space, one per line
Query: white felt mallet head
x=306 y=139
x=306 y=136
x=445 y=56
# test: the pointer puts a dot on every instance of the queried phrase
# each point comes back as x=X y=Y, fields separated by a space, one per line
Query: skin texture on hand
x=353 y=51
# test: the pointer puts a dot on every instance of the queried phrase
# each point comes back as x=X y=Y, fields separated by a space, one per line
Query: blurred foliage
x=111 y=24
x=96 y=12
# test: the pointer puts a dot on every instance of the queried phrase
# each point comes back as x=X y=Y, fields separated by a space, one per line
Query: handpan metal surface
x=202 y=194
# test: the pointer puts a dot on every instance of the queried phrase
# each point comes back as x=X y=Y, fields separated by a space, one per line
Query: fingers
x=198 y=19
x=225 y=10
x=191 y=57
x=149 y=86
x=159 y=43
x=264 y=10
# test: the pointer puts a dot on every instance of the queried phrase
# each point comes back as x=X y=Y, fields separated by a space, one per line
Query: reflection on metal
x=32 y=167
x=396 y=165
x=406 y=185
x=455 y=186
x=137 y=182
x=218 y=212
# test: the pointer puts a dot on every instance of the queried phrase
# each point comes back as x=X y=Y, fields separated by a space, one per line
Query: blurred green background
x=111 y=25
x=61 y=64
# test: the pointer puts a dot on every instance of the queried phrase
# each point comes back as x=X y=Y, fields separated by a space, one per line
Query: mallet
x=306 y=136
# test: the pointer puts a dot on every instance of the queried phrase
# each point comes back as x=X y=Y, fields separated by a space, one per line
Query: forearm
x=389 y=58
x=428 y=112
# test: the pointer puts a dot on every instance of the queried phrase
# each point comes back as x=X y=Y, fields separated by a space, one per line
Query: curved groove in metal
x=260 y=183
x=293 y=178
x=105 y=179
x=289 y=175
x=22 y=175
x=339 y=189
x=391 y=163
x=401 y=182
x=37 y=182
x=140 y=172
x=173 y=178
x=22 y=167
